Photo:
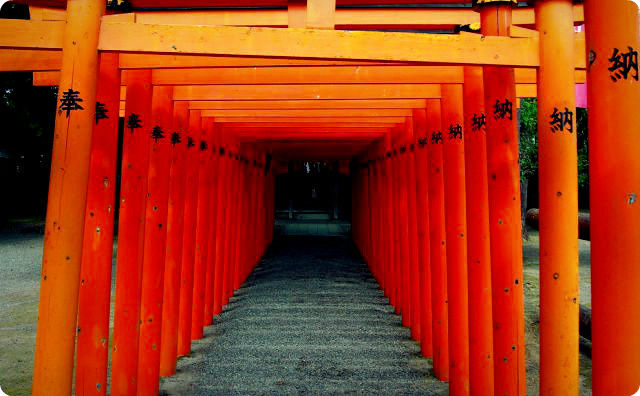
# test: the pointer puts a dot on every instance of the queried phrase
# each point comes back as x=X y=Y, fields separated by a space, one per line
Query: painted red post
x=223 y=180
x=175 y=230
x=242 y=222
x=558 y=189
x=456 y=232
x=403 y=222
x=504 y=212
x=478 y=246
x=437 y=239
x=133 y=191
x=202 y=231
x=613 y=37
x=390 y=231
x=373 y=216
x=394 y=214
x=414 y=271
x=69 y=178
x=155 y=238
x=230 y=236
x=94 y=301
x=213 y=212
x=189 y=235
x=422 y=220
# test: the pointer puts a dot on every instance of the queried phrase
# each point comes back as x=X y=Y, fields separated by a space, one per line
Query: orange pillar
x=135 y=162
x=223 y=180
x=614 y=97
x=175 y=230
x=189 y=233
x=213 y=212
x=155 y=237
x=437 y=242
x=504 y=212
x=60 y=277
x=478 y=246
x=391 y=225
x=558 y=187
x=422 y=219
x=228 y=229
x=414 y=270
x=456 y=232
x=202 y=230
x=403 y=234
x=94 y=302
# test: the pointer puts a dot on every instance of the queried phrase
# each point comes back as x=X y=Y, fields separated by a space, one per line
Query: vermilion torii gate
x=213 y=99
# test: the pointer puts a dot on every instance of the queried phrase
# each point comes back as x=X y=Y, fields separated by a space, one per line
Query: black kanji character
x=175 y=138
x=503 y=110
x=455 y=131
x=157 y=133
x=190 y=142
x=70 y=101
x=478 y=121
x=134 y=122
x=203 y=146
x=623 y=63
x=422 y=141
x=436 y=137
x=101 y=112
x=560 y=120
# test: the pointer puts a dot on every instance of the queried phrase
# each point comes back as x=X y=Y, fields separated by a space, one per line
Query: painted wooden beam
x=314 y=120
x=309 y=43
x=308 y=113
x=345 y=18
x=308 y=104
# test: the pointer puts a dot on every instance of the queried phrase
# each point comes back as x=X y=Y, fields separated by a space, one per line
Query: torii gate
x=437 y=180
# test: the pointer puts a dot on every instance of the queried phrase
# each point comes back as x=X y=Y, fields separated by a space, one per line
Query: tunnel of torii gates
x=216 y=100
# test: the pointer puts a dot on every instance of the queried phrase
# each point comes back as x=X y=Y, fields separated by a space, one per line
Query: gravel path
x=309 y=320
x=20 y=261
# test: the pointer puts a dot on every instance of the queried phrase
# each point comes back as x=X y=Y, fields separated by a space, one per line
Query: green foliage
x=529 y=141
x=528 y=138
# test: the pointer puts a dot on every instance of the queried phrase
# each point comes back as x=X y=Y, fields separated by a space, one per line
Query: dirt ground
x=20 y=260
x=531 y=263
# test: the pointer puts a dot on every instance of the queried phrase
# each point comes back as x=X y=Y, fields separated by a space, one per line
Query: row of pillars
x=468 y=218
x=438 y=214
x=195 y=214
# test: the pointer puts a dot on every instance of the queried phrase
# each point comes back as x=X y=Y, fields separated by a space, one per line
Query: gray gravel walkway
x=309 y=320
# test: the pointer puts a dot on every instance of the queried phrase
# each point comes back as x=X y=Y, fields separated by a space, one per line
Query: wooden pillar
x=397 y=262
x=213 y=213
x=456 y=233
x=391 y=225
x=231 y=226
x=192 y=187
x=133 y=191
x=60 y=277
x=403 y=233
x=422 y=230
x=437 y=242
x=175 y=230
x=373 y=217
x=228 y=245
x=155 y=238
x=223 y=182
x=94 y=302
x=504 y=212
x=202 y=231
x=414 y=271
x=478 y=246
x=558 y=188
x=614 y=96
